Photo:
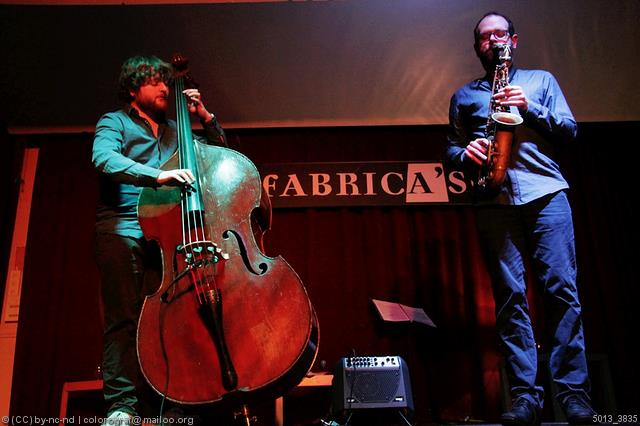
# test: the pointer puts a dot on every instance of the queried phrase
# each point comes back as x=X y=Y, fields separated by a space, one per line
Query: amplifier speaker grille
x=371 y=382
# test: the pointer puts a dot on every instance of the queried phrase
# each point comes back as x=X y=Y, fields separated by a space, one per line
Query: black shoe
x=578 y=411
x=523 y=413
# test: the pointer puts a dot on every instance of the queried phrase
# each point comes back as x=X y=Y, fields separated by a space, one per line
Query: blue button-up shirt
x=128 y=157
x=533 y=171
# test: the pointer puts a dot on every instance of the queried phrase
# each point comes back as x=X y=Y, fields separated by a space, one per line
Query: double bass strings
x=198 y=252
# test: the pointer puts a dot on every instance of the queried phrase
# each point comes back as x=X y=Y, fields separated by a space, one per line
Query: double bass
x=227 y=321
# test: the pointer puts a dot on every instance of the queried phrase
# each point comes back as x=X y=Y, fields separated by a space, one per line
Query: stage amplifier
x=363 y=382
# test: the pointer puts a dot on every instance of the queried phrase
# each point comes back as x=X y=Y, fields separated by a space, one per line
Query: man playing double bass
x=129 y=147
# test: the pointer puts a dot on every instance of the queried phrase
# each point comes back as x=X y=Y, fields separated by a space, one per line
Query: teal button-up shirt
x=128 y=157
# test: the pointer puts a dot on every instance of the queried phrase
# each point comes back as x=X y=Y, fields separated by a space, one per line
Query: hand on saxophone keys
x=476 y=151
x=512 y=96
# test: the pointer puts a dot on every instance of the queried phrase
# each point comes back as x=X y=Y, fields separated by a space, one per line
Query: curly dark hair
x=138 y=70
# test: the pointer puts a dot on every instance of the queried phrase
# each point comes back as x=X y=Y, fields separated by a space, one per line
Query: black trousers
x=130 y=268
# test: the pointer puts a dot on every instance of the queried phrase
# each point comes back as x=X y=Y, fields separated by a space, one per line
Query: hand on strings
x=512 y=96
x=196 y=107
x=476 y=151
x=176 y=177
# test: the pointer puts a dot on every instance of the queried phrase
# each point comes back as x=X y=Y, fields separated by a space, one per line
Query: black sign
x=363 y=184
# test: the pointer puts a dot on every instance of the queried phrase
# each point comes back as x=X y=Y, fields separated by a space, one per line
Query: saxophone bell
x=506 y=118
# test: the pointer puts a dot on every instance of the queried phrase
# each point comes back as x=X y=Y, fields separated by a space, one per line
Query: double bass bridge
x=198 y=260
x=201 y=253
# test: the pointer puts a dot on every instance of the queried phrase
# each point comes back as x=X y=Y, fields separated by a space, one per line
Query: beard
x=491 y=57
x=155 y=108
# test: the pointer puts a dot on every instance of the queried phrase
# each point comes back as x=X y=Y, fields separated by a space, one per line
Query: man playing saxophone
x=526 y=216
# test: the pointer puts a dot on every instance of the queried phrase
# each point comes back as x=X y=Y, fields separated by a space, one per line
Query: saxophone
x=500 y=127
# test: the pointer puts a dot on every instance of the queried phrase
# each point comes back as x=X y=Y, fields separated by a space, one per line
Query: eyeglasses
x=498 y=34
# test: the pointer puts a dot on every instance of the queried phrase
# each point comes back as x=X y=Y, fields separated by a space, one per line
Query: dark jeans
x=130 y=269
x=542 y=230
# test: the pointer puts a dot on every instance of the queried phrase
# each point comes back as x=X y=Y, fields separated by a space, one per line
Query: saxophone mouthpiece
x=502 y=51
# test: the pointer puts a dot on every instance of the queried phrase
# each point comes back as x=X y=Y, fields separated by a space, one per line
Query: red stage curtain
x=426 y=256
